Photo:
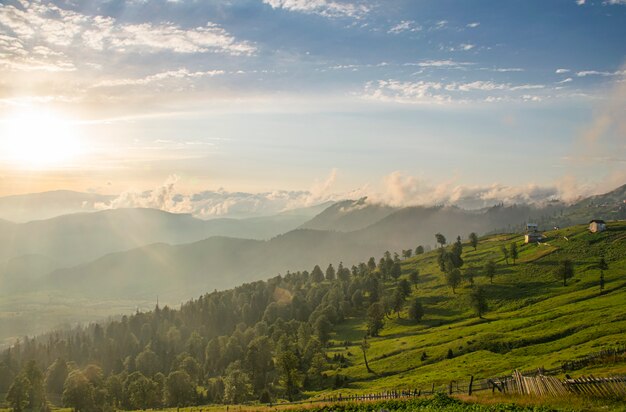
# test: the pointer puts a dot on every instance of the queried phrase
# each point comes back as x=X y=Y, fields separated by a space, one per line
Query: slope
x=534 y=321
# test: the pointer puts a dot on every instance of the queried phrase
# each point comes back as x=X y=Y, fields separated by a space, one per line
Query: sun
x=37 y=139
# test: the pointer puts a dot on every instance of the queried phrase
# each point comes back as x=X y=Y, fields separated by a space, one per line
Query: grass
x=534 y=321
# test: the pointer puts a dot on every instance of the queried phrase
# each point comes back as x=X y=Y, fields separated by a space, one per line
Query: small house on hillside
x=597 y=225
x=533 y=235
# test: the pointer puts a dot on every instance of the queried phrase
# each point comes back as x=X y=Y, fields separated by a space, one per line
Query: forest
x=262 y=340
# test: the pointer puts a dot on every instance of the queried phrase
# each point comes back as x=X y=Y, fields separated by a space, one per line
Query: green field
x=534 y=321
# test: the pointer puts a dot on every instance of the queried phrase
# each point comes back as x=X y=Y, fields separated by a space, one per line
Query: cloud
x=561 y=71
x=600 y=73
x=163 y=76
x=615 y=2
x=433 y=92
x=439 y=63
x=568 y=80
x=462 y=47
x=405 y=25
x=39 y=34
x=580 y=2
x=222 y=203
x=404 y=190
x=472 y=25
x=440 y=24
x=326 y=8
x=406 y=92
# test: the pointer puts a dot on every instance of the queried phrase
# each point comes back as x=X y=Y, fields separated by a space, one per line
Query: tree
x=457 y=247
x=237 y=386
x=287 y=363
x=398 y=301
x=179 y=389
x=513 y=251
x=115 y=390
x=419 y=250
x=17 y=397
x=343 y=274
x=453 y=278
x=375 y=317
x=6 y=377
x=448 y=260
x=490 y=270
x=55 y=376
x=259 y=361
x=317 y=275
x=470 y=273
x=473 y=239
x=407 y=253
x=396 y=271
x=357 y=299
x=142 y=391
x=330 y=272
x=364 y=347
x=36 y=390
x=565 y=270
x=478 y=301
x=405 y=287
x=323 y=327
x=416 y=310
x=371 y=264
x=441 y=239
x=505 y=253
x=316 y=370
x=78 y=392
x=450 y=354
x=414 y=277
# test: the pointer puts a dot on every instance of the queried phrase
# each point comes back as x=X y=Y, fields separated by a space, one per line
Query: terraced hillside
x=534 y=321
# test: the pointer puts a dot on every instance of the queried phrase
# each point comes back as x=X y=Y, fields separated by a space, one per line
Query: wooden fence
x=613 y=387
x=537 y=382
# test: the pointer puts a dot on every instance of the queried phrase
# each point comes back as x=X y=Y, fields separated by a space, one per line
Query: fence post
x=469 y=391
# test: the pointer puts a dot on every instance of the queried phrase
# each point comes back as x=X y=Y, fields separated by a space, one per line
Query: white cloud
x=38 y=33
x=473 y=25
x=326 y=8
x=220 y=203
x=462 y=47
x=615 y=2
x=163 y=76
x=406 y=92
x=439 y=63
x=580 y=2
x=568 y=80
x=403 y=190
x=508 y=69
x=561 y=71
x=432 y=92
x=600 y=73
x=405 y=25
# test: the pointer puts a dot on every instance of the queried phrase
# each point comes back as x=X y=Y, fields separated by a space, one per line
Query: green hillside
x=299 y=336
x=533 y=321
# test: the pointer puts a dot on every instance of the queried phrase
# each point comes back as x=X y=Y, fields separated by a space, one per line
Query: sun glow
x=38 y=140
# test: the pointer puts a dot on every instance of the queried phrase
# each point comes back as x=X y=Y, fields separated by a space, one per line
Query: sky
x=404 y=101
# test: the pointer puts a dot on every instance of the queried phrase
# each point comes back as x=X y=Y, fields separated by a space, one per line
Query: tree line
x=260 y=341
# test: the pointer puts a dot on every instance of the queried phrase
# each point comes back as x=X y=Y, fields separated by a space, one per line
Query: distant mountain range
x=222 y=262
x=141 y=253
x=46 y=205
